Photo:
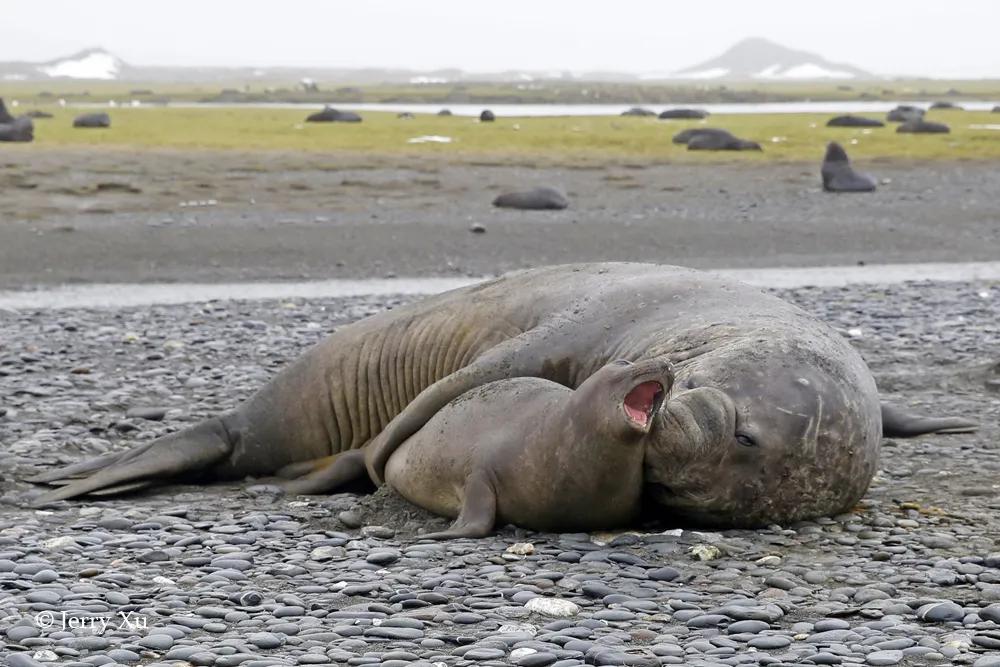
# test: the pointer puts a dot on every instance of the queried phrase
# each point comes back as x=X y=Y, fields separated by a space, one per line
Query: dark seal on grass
x=95 y=120
x=853 y=121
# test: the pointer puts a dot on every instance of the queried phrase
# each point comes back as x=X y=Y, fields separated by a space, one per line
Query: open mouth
x=642 y=403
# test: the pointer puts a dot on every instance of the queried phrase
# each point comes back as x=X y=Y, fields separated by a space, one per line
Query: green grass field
x=785 y=137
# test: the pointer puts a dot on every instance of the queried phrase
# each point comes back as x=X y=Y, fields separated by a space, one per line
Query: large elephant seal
x=92 y=120
x=5 y=117
x=773 y=417
x=839 y=176
x=536 y=454
x=536 y=199
x=853 y=121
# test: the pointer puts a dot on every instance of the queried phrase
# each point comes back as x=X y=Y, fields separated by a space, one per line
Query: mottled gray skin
x=534 y=453
x=839 y=176
x=537 y=199
x=92 y=120
x=773 y=416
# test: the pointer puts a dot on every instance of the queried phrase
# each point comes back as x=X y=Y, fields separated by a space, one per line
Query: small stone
x=382 y=556
x=477 y=228
x=264 y=640
x=521 y=549
x=940 y=612
x=878 y=658
x=555 y=607
x=705 y=552
x=150 y=414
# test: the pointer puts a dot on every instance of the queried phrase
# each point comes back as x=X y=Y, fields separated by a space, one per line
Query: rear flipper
x=345 y=468
x=479 y=511
x=192 y=450
x=899 y=424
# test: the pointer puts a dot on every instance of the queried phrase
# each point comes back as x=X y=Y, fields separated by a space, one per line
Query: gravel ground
x=241 y=574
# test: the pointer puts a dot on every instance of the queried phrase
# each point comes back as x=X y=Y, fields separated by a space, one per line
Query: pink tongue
x=639 y=402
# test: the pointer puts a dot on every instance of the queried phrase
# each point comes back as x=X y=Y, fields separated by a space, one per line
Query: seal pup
x=92 y=120
x=839 y=176
x=536 y=454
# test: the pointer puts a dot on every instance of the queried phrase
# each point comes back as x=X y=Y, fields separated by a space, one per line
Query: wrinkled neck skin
x=763 y=426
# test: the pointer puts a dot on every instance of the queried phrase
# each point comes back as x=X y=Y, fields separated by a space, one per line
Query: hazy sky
x=936 y=38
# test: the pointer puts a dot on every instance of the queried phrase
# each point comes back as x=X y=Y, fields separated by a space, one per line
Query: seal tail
x=899 y=424
x=191 y=450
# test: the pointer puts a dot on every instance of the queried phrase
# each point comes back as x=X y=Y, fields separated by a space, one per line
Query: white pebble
x=552 y=607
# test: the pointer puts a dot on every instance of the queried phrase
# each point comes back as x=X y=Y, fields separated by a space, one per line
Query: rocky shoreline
x=242 y=574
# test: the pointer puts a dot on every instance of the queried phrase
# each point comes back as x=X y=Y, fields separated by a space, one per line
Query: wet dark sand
x=116 y=216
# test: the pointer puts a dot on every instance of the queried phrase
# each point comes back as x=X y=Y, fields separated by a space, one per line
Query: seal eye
x=745 y=440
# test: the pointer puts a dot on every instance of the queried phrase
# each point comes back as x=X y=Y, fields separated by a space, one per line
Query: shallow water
x=119 y=295
x=528 y=110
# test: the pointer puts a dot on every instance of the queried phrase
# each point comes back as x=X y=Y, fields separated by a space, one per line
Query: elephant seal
x=537 y=199
x=921 y=126
x=536 y=454
x=638 y=112
x=773 y=416
x=839 y=176
x=684 y=136
x=331 y=115
x=903 y=113
x=444 y=112
x=853 y=121
x=20 y=130
x=92 y=120
x=487 y=116
x=686 y=114
x=718 y=142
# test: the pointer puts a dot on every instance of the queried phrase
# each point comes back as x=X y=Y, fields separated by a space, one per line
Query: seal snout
x=642 y=402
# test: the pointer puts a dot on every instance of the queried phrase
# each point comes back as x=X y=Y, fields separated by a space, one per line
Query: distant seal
x=19 y=130
x=444 y=112
x=92 y=120
x=487 y=116
x=685 y=136
x=683 y=114
x=718 y=142
x=639 y=112
x=331 y=115
x=773 y=417
x=921 y=126
x=853 y=121
x=905 y=112
x=951 y=106
x=839 y=176
x=533 y=453
x=541 y=198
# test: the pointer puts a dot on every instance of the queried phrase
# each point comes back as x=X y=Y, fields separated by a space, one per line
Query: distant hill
x=764 y=60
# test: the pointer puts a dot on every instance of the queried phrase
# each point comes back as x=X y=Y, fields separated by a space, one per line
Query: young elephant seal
x=536 y=454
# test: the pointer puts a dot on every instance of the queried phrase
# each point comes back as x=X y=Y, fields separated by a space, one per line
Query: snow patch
x=801 y=72
x=96 y=65
x=423 y=80
x=710 y=73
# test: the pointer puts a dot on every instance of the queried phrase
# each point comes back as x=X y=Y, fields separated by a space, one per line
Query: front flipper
x=346 y=467
x=479 y=511
x=517 y=357
x=899 y=424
